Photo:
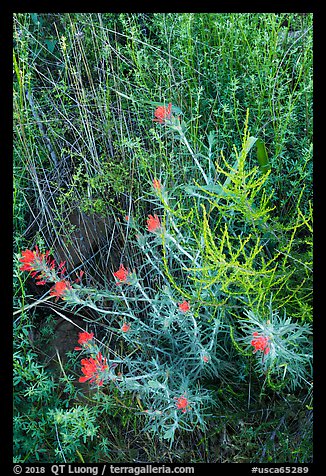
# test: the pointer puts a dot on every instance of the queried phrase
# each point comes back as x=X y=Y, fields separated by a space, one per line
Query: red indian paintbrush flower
x=157 y=184
x=153 y=223
x=89 y=368
x=79 y=276
x=162 y=113
x=28 y=259
x=60 y=288
x=260 y=343
x=182 y=403
x=62 y=268
x=125 y=327
x=84 y=337
x=34 y=260
x=38 y=263
x=44 y=269
x=205 y=358
x=184 y=306
x=92 y=368
x=122 y=274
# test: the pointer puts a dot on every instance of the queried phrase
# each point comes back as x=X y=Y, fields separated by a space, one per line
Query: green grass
x=85 y=89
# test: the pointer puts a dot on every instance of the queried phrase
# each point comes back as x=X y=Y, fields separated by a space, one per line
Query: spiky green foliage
x=288 y=361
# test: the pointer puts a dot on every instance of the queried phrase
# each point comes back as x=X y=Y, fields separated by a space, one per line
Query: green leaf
x=80 y=456
x=262 y=156
x=154 y=384
x=50 y=44
x=176 y=110
x=36 y=19
x=212 y=188
x=250 y=143
x=212 y=139
x=169 y=434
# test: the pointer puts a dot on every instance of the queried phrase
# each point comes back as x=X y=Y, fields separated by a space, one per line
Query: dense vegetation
x=163 y=224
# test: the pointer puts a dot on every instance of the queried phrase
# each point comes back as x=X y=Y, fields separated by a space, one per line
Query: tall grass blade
x=262 y=156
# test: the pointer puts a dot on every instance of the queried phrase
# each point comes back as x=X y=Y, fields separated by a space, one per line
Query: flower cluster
x=164 y=116
x=182 y=403
x=157 y=184
x=260 y=343
x=60 y=288
x=93 y=369
x=124 y=276
x=44 y=269
x=184 y=306
x=84 y=338
x=162 y=113
x=125 y=327
x=121 y=275
x=40 y=265
x=153 y=223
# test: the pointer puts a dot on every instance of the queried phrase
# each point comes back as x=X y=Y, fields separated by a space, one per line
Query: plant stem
x=193 y=155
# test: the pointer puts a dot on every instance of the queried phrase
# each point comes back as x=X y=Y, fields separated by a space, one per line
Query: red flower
x=205 y=358
x=182 y=403
x=81 y=274
x=161 y=113
x=125 y=327
x=60 y=288
x=260 y=343
x=184 y=306
x=121 y=274
x=33 y=260
x=84 y=337
x=153 y=223
x=40 y=265
x=28 y=260
x=91 y=369
x=62 y=268
x=157 y=184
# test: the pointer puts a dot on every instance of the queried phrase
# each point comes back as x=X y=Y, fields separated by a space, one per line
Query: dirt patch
x=63 y=340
